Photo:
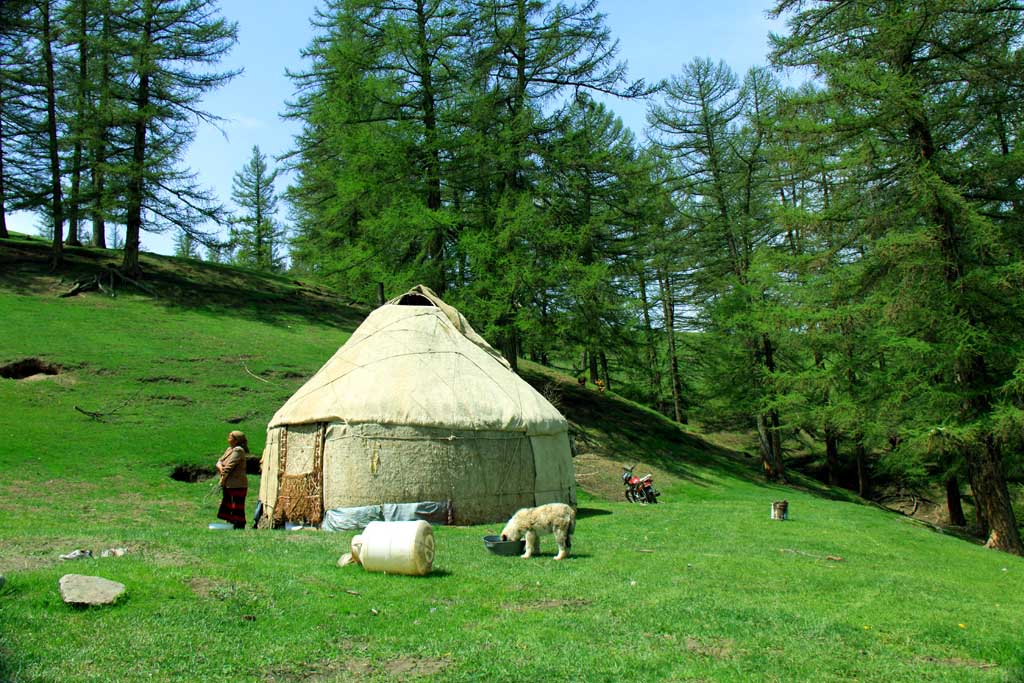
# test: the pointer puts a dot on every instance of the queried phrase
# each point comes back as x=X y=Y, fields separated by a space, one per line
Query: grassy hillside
x=702 y=587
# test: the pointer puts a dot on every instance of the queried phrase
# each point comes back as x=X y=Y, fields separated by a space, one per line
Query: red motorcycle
x=639 y=489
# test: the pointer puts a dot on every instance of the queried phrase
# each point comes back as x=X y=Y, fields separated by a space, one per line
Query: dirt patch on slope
x=601 y=476
x=29 y=369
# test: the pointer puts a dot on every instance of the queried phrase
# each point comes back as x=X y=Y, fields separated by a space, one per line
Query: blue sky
x=656 y=38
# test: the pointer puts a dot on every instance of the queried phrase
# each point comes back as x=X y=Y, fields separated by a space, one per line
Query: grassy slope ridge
x=702 y=587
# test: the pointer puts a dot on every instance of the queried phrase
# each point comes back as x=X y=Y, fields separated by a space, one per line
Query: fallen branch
x=84 y=285
x=95 y=282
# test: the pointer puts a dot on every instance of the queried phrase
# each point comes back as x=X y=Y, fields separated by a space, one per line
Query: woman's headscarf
x=240 y=440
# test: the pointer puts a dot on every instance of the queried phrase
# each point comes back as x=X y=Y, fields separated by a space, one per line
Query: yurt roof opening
x=414 y=416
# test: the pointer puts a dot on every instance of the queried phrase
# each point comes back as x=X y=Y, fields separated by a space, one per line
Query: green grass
x=702 y=587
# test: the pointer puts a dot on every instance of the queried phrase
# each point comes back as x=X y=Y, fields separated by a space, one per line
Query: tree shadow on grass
x=624 y=431
x=179 y=283
x=627 y=432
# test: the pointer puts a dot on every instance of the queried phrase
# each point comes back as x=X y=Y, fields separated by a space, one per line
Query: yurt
x=414 y=413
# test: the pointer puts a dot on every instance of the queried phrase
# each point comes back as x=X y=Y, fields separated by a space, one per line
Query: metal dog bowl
x=500 y=547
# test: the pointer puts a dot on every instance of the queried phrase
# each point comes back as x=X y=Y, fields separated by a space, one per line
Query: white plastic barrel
x=396 y=547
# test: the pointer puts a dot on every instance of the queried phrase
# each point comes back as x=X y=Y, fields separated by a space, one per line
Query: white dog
x=554 y=518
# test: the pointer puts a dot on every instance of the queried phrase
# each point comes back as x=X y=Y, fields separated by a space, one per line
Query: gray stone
x=77 y=589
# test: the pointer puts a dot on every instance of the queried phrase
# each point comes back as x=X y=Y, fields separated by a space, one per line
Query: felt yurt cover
x=415 y=406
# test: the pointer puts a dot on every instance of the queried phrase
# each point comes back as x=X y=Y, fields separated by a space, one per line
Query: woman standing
x=233 y=481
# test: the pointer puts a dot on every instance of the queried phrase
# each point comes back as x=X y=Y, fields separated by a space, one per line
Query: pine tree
x=375 y=107
x=715 y=132
x=102 y=130
x=256 y=235
x=76 y=93
x=185 y=245
x=421 y=154
x=215 y=252
x=921 y=115
x=17 y=111
x=29 y=139
x=525 y=56
x=169 y=41
x=659 y=266
x=47 y=44
x=584 y=257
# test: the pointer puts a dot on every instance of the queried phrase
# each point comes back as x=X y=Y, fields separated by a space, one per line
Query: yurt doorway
x=300 y=474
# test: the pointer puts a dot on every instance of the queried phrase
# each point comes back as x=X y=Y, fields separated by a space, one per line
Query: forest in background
x=843 y=259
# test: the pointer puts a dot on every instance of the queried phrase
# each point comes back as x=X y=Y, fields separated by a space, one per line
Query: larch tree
x=582 y=191
x=76 y=90
x=19 y=110
x=647 y=209
x=374 y=104
x=185 y=245
x=923 y=92
x=256 y=235
x=714 y=130
x=171 y=44
x=102 y=134
x=526 y=58
x=47 y=46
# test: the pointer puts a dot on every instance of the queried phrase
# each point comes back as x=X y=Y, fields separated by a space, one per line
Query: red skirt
x=232 y=506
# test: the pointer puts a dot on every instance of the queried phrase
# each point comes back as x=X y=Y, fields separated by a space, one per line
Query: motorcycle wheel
x=652 y=497
x=630 y=498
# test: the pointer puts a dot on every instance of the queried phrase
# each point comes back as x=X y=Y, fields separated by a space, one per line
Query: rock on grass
x=79 y=590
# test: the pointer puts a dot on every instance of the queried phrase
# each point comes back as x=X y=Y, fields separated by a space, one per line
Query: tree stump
x=780 y=510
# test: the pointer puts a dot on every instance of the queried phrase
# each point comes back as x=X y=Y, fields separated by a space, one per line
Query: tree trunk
x=953 y=503
x=3 y=196
x=99 y=149
x=776 y=434
x=99 y=223
x=769 y=425
x=133 y=220
x=604 y=370
x=668 y=310
x=863 y=486
x=435 y=244
x=592 y=367
x=652 y=351
x=76 y=163
x=832 y=455
x=509 y=343
x=56 y=195
x=992 y=497
x=771 y=459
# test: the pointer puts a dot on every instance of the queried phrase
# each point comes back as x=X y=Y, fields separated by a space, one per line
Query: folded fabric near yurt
x=414 y=407
x=345 y=519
